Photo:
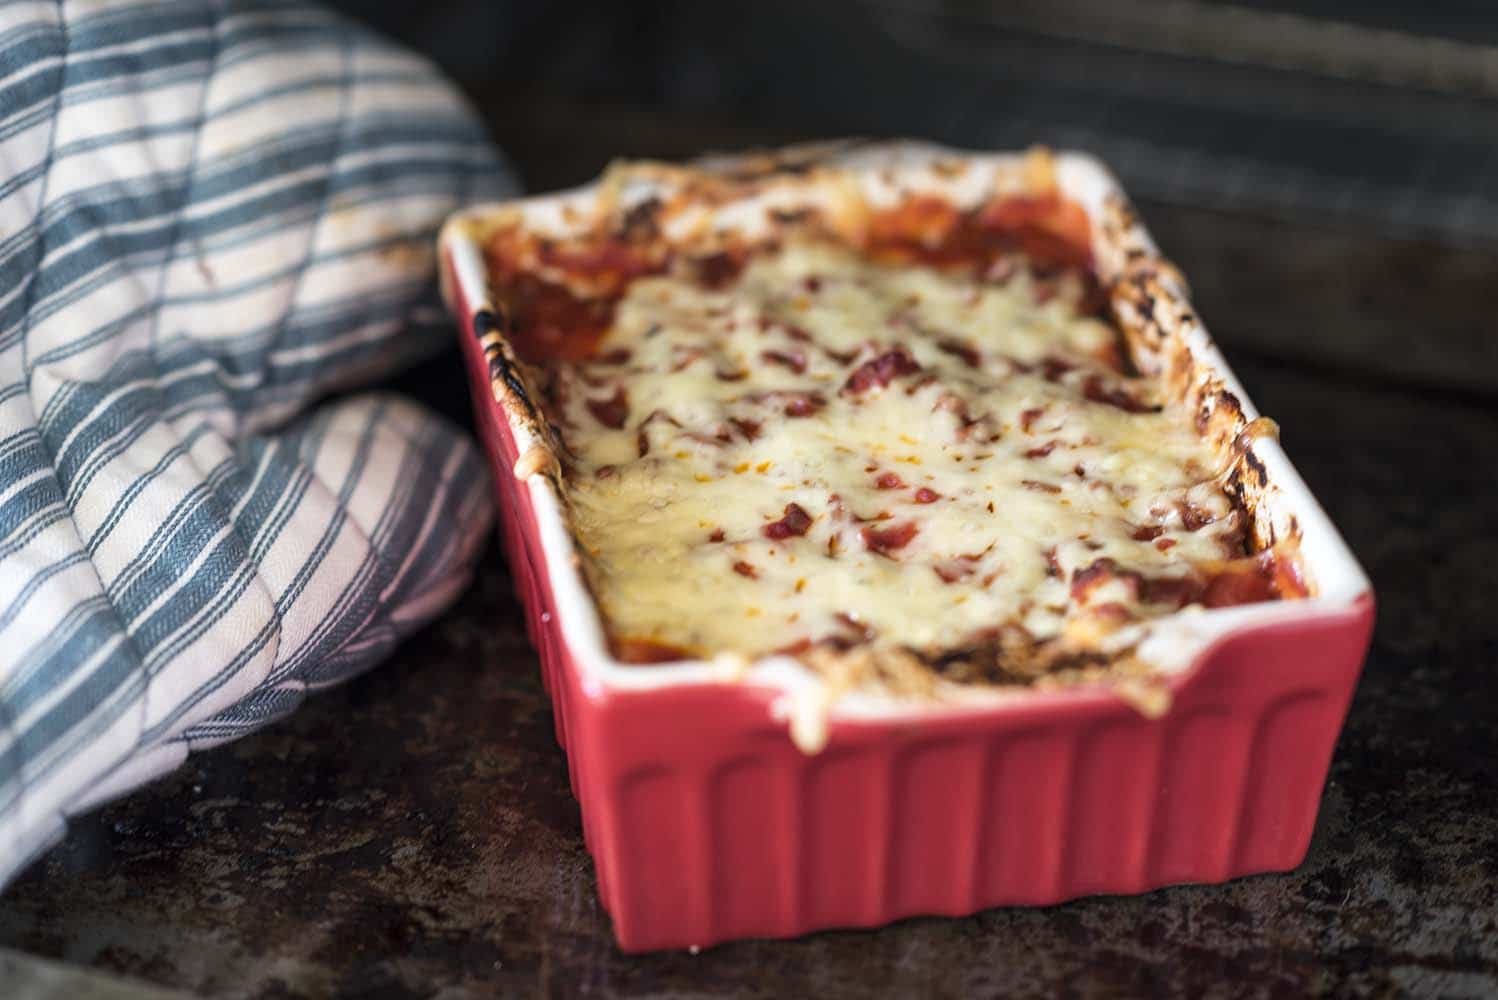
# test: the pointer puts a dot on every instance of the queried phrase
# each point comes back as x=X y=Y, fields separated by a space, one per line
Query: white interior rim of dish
x=1174 y=643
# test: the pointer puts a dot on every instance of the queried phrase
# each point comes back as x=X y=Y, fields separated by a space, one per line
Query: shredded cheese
x=827 y=450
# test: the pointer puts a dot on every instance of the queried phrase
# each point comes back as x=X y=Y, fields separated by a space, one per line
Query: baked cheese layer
x=829 y=450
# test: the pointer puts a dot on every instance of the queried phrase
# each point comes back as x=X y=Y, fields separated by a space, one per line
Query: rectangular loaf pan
x=707 y=824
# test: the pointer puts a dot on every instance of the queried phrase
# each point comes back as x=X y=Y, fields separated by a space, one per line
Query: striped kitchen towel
x=212 y=216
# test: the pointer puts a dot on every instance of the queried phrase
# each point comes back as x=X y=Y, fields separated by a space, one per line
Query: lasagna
x=905 y=439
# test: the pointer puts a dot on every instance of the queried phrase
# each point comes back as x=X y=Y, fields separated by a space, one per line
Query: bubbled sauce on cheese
x=827 y=450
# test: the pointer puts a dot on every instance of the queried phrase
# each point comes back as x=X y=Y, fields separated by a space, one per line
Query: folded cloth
x=212 y=215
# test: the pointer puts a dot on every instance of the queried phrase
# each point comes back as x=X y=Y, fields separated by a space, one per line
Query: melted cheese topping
x=831 y=450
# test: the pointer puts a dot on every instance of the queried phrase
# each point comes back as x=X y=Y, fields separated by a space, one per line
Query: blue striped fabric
x=211 y=217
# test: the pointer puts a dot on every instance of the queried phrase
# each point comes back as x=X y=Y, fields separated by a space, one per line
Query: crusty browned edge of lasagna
x=557 y=362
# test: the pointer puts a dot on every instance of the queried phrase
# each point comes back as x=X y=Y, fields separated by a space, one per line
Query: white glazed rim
x=1176 y=643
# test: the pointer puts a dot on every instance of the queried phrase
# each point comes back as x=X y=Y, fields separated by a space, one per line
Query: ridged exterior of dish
x=706 y=823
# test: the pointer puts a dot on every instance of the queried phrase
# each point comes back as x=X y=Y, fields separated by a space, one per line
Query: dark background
x=1375 y=113
x=1327 y=176
x=1368 y=120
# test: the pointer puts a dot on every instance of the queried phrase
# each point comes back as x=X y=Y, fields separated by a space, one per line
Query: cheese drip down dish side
x=906 y=443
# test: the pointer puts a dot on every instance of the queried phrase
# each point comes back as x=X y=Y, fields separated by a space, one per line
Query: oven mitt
x=212 y=217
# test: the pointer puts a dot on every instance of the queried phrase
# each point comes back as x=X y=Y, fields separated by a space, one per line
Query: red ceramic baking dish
x=705 y=821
